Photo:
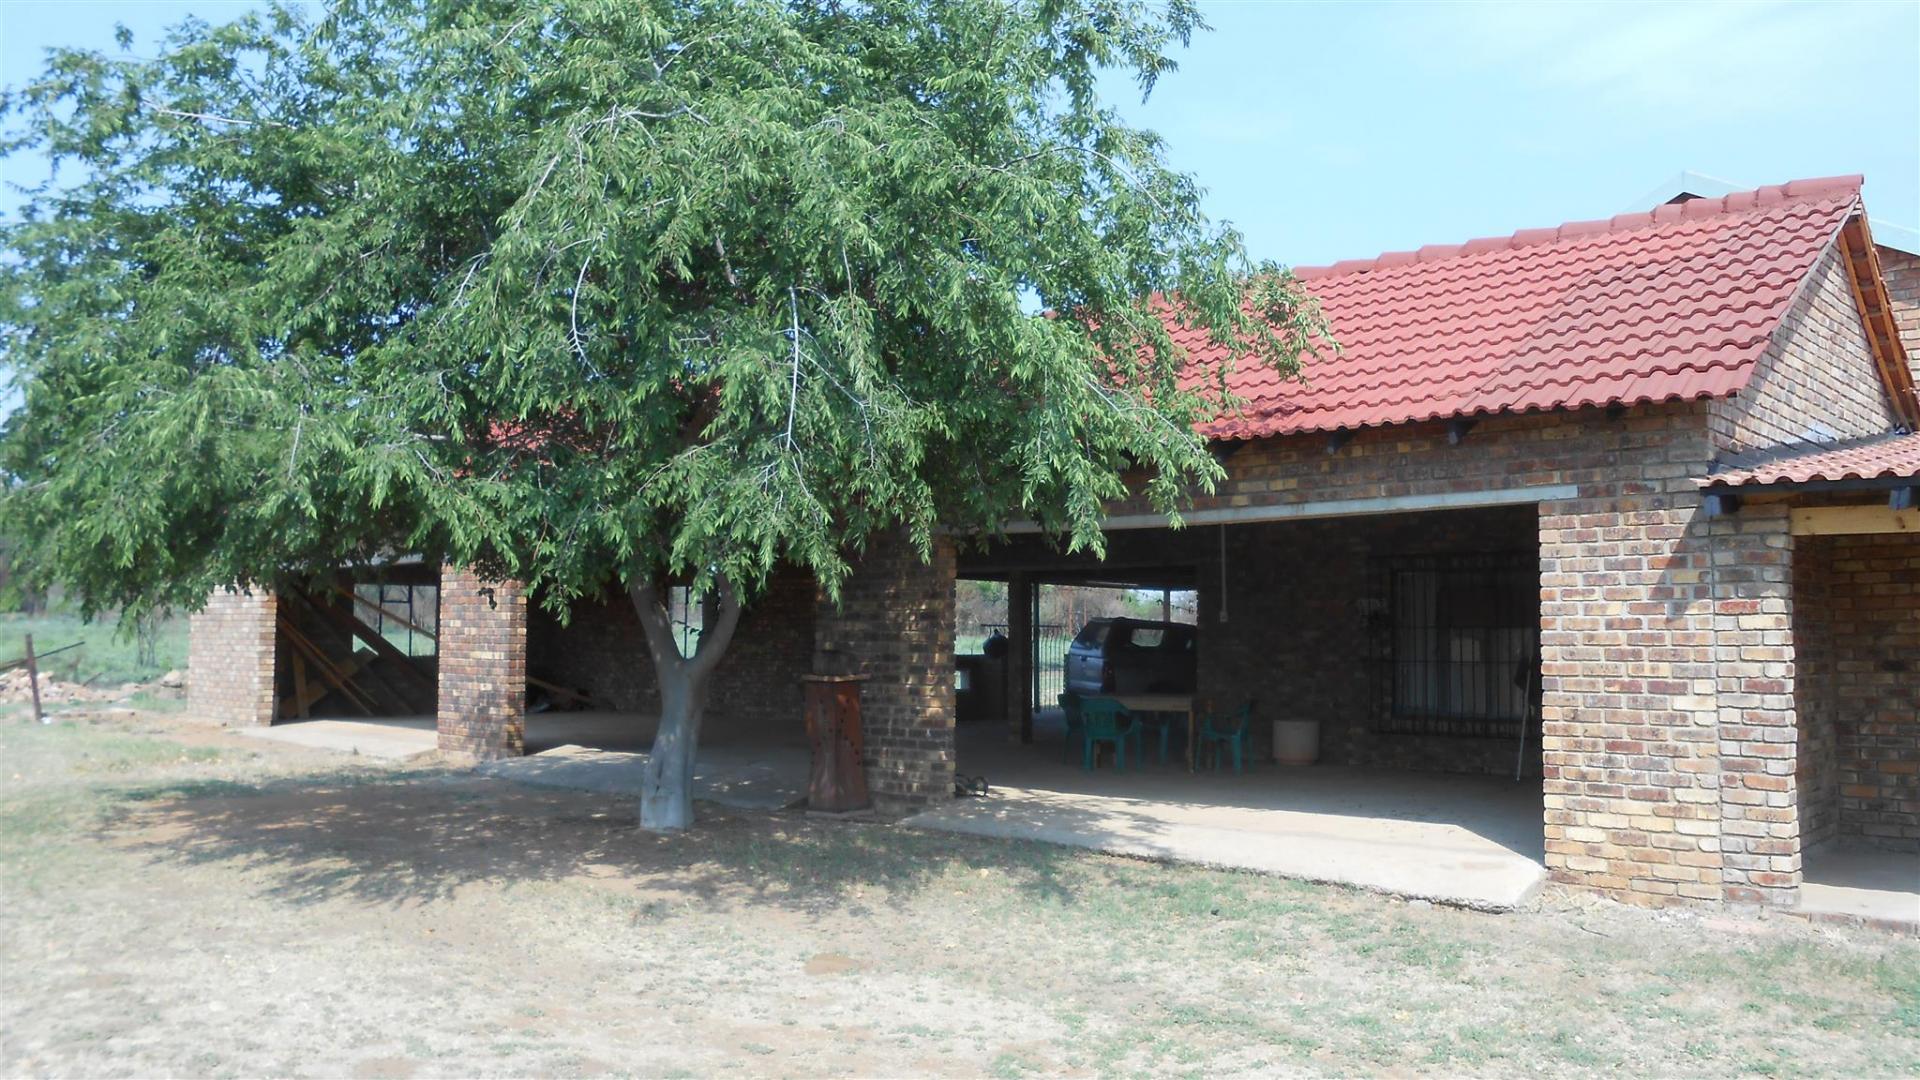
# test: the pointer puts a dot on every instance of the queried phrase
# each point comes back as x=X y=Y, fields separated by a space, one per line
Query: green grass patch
x=107 y=656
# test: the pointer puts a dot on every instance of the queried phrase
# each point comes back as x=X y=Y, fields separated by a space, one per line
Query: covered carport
x=1407 y=632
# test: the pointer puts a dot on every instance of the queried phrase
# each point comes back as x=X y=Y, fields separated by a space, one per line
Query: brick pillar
x=1630 y=747
x=894 y=624
x=1758 y=722
x=230 y=658
x=483 y=665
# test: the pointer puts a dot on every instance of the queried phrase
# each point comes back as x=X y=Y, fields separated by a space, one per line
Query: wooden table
x=1162 y=703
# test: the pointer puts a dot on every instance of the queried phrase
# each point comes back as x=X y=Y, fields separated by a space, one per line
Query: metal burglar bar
x=1050 y=641
x=1463 y=643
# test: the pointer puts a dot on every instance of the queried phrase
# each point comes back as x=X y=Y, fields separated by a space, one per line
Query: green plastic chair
x=1104 y=720
x=1227 y=731
x=1076 y=728
x=1163 y=723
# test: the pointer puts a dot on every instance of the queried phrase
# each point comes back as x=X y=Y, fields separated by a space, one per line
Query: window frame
x=1508 y=636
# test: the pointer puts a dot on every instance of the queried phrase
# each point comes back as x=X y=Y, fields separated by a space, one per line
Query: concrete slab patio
x=1866 y=885
x=388 y=738
x=1469 y=841
x=584 y=751
x=745 y=778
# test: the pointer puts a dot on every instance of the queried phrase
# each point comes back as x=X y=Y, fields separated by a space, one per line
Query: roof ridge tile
x=1737 y=202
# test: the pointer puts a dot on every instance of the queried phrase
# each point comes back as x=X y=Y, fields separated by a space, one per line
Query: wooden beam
x=1853 y=520
x=564 y=693
x=1876 y=317
x=336 y=677
x=348 y=623
x=301 y=702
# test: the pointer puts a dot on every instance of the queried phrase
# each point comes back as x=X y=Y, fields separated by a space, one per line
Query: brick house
x=1629 y=502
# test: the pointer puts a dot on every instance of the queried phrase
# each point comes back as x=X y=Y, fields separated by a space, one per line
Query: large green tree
x=585 y=292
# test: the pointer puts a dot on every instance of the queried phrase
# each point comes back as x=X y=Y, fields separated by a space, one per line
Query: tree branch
x=209 y=117
x=793 y=391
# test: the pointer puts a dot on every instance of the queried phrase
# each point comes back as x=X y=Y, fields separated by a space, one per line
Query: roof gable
x=1676 y=303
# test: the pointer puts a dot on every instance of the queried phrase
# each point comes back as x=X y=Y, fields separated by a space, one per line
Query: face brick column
x=483 y=665
x=1670 y=736
x=1630 y=749
x=1758 y=722
x=894 y=624
x=230 y=658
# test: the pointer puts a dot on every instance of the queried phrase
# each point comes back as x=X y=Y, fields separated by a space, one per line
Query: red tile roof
x=1883 y=456
x=1676 y=303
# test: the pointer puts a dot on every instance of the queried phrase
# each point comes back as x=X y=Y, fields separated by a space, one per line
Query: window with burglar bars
x=1464 y=643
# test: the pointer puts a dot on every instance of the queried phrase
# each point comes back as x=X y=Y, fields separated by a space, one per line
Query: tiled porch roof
x=1894 y=456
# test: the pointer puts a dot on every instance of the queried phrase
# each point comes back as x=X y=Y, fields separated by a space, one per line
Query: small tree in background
x=578 y=291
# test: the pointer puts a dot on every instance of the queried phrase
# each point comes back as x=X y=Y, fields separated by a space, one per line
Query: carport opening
x=1124 y=620
x=359 y=646
x=1386 y=645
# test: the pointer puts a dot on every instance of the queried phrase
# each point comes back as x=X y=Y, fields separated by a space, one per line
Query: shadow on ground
x=425 y=835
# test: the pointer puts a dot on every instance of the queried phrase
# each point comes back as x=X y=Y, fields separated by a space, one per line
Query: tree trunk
x=666 y=784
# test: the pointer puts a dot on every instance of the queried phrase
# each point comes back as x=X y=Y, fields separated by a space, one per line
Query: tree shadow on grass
x=425 y=836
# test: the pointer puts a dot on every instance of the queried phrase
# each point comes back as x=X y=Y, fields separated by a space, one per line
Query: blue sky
x=1329 y=131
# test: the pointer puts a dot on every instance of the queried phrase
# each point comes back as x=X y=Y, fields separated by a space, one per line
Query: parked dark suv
x=1131 y=656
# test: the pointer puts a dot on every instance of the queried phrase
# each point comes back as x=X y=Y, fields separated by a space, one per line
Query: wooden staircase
x=377 y=680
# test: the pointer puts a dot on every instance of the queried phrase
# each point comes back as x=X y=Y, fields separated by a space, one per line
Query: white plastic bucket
x=1296 y=742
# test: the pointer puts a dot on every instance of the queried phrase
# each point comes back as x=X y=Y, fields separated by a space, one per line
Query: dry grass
x=179 y=900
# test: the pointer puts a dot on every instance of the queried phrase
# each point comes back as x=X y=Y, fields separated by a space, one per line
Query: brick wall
x=483 y=665
x=1752 y=579
x=1817 y=382
x=230 y=658
x=1860 y=675
x=1309 y=630
x=1902 y=272
x=1629 y=695
x=754 y=695
x=1533 y=450
x=1816 y=775
x=894 y=624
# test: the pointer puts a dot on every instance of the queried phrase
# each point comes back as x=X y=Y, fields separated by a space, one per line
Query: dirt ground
x=180 y=900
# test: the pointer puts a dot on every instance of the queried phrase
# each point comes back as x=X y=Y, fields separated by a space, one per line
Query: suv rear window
x=1147 y=637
